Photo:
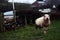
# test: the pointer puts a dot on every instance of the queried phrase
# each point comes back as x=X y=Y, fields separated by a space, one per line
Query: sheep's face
x=46 y=17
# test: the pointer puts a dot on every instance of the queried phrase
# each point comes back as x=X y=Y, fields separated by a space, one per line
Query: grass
x=30 y=33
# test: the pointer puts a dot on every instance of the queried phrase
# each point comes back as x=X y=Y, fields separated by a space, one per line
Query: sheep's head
x=46 y=20
x=46 y=17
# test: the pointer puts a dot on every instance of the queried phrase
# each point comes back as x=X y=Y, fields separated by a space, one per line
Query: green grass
x=30 y=33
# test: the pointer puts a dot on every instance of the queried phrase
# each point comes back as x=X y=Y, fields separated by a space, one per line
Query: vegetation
x=30 y=33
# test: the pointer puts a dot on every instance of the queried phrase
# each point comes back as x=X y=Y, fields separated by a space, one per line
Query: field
x=30 y=33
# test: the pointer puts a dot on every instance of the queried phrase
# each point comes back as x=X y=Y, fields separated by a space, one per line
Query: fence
x=25 y=17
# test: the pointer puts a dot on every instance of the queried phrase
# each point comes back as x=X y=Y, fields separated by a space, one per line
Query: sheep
x=43 y=22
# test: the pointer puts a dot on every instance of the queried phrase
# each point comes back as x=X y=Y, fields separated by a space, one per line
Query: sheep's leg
x=40 y=27
x=37 y=26
x=45 y=30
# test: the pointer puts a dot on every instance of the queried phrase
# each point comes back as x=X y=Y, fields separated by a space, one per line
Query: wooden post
x=25 y=20
x=0 y=22
x=14 y=12
x=1 y=15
